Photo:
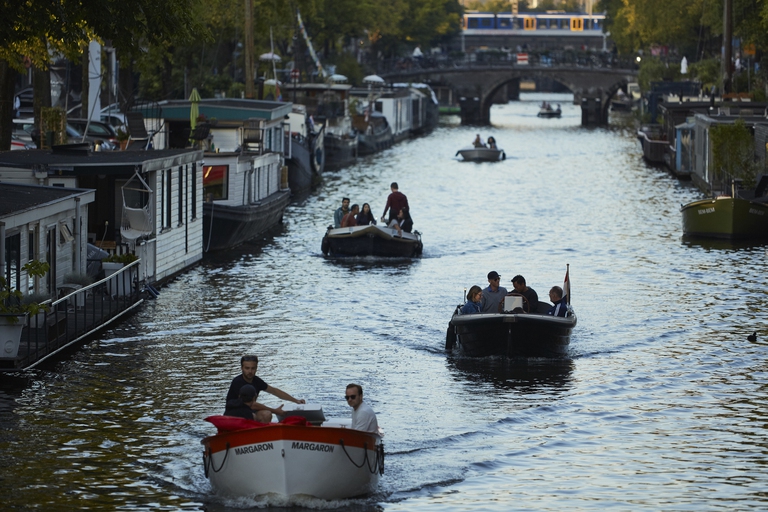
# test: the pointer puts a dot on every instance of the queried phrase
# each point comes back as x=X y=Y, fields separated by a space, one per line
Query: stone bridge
x=476 y=85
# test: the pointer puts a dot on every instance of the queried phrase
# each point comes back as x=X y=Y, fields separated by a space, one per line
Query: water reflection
x=532 y=375
x=718 y=244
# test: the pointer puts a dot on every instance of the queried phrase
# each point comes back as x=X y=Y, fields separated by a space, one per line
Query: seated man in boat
x=249 y=364
x=241 y=407
x=340 y=212
x=363 y=417
x=349 y=220
x=532 y=298
x=474 y=301
x=493 y=294
x=478 y=142
x=560 y=307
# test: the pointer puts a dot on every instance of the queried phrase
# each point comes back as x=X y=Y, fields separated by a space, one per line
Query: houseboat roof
x=99 y=162
x=226 y=109
x=16 y=198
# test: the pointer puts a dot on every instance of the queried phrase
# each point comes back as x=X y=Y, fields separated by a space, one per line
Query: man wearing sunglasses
x=363 y=417
x=249 y=364
x=493 y=295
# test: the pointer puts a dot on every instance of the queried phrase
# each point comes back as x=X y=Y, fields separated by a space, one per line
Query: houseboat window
x=50 y=257
x=182 y=191
x=194 y=191
x=12 y=270
x=168 y=197
x=215 y=179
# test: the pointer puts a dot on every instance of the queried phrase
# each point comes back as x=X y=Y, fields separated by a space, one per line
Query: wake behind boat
x=511 y=333
x=303 y=455
x=482 y=154
x=371 y=240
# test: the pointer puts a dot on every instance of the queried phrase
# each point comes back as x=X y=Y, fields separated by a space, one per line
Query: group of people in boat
x=245 y=388
x=397 y=206
x=545 y=105
x=491 y=298
x=478 y=142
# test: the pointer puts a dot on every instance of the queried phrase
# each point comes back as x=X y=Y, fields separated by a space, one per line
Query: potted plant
x=112 y=264
x=14 y=310
x=122 y=138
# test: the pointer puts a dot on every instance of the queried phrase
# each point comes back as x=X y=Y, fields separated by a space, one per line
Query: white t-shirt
x=363 y=418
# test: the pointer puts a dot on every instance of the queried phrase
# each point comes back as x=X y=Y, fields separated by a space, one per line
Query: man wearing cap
x=249 y=364
x=240 y=407
x=493 y=295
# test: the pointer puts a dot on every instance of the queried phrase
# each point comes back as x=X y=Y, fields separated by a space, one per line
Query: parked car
x=98 y=132
x=25 y=130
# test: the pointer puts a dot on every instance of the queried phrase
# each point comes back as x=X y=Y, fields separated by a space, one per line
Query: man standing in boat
x=338 y=216
x=395 y=202
x=493 y=294
x=249 y=364
x=363 y=417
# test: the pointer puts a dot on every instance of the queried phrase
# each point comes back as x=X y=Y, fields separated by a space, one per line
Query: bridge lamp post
x=606 y=35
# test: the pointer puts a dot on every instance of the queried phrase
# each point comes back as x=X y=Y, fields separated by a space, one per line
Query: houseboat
x=244 y=183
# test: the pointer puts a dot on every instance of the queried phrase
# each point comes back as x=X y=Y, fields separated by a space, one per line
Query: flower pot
x=119 y=285
x=123 y=144
x=11 y=325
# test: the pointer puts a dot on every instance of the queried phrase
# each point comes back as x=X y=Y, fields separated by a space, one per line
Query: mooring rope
x=208 y=461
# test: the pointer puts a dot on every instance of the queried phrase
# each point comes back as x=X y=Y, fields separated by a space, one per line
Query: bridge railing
x=549 y=58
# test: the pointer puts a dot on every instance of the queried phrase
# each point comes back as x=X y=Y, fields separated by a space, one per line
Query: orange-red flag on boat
x=567 y=285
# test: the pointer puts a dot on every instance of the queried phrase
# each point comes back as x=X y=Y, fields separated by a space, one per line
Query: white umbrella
x=684 y=66
x=272 y=81
x=337 y=78
x=373 y=79
x=269 y=57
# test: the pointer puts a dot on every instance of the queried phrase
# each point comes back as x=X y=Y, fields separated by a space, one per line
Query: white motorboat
x=374 y=240
x=305 y=455
x=482 y=154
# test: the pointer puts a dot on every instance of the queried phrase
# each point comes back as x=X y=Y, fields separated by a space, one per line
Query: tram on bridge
x=534 y=30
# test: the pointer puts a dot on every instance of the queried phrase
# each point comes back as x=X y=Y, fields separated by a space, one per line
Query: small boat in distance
x=741 y=215
x=371 y=240
x=547 y=111
x=653 y=142
x=482 y=154
x=304 y=455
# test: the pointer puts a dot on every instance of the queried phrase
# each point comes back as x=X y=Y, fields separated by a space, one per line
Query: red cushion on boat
x=230 y=423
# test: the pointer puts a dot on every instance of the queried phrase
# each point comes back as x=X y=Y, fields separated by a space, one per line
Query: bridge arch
x=475 y=86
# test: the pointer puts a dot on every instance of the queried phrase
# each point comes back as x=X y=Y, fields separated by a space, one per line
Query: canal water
x=661 y=404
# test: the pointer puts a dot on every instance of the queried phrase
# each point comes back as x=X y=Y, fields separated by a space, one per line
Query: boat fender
x=325 y=246
x=503 y=155
x=450 y=338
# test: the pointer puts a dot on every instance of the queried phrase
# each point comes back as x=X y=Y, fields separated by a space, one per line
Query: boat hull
x=482 y=154
x=513 y=335
x=324 y=462
x=227 y=226
x=371 y=241
x=725 y=217
x=301 y=175
x=339 y=151
x=549 y=113
x=371 y=143
x=654 y=149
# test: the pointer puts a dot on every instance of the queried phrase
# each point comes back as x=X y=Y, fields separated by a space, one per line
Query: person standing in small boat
x=350 y=219
x=248 y=365
x=474 y=301
x=518 y=283
x=396 y=201
x=363 y=417
x=341 y=212
x=493 y=294
x=365 y=217
x=560 y=307
x=241 y=407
